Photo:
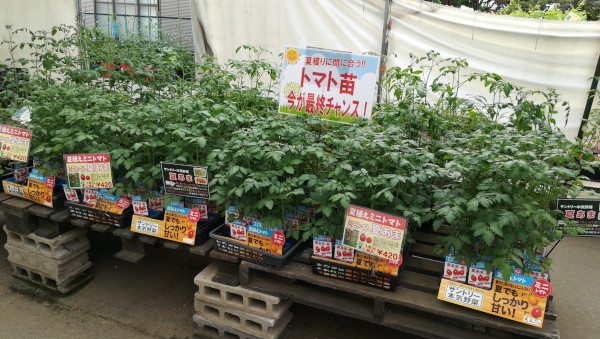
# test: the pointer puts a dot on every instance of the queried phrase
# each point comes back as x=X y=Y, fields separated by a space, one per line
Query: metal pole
x=590 y=100
x=387 y=25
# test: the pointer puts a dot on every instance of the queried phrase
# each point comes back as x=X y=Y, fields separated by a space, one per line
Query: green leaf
x=289 y=169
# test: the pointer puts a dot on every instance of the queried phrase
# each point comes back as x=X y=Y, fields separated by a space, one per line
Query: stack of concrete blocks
x=232 y=311
x=59 y=263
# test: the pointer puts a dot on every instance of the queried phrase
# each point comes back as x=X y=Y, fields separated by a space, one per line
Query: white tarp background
x=536 y=54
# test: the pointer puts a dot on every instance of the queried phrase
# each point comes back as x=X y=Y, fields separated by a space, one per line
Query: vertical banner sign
x=374 y=232
x=585 y=212
x=185 y=180
x=14 y=143
x=521 y=298
x=332 y=85
x=88 y=170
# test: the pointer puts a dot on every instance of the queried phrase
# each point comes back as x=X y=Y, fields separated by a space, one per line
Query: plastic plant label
x=14 y=143
x=139 y=206
x=478 y=276
x=455 y=270
x=238 y=230
x=343 y=253
x=89 y=197
x=70 y=194
x=323 y=246
x=89 y=170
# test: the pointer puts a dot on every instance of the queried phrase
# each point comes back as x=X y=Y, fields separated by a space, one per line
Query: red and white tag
x=455 y=272
x=50 y=182
x=194 y=215
x=278 y=238
x=71 y=195
x=140 y=208
x=238 y=231
x=123 y=203
x=89 y=197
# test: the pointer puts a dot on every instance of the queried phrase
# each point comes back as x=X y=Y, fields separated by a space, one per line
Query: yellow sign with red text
x=521 y=299
x=179 y=225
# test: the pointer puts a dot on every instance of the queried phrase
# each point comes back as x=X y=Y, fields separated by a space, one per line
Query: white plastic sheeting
x=536 y=54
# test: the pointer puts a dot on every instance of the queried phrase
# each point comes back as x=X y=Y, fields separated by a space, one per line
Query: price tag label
x=88 y=170
x=14 y=143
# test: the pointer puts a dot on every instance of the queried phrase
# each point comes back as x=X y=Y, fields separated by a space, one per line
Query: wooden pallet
x=413 y=307
x=136 y=246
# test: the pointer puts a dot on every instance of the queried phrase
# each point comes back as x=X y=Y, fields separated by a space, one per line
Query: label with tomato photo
x=70 y=194
x=238 y=230
x=455 y=270
x=139 y=206
x=88 y=170
x=342 y=252
x=479 y=277
x=323 y=246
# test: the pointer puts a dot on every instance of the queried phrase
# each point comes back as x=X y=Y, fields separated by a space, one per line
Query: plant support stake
x=590 y=100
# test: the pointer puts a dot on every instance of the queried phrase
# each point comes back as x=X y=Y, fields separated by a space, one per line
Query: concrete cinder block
x=255 y=325
x=211 y=329
x=51 y=268
x=65 y=285
x=59 y=247
x=238 y=297
x=17 y=217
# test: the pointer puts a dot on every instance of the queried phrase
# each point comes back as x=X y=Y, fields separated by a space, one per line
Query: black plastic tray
x=90 y=213
x=230 y=246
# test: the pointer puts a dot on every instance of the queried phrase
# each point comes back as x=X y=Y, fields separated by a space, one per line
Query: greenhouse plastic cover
x=537 y=54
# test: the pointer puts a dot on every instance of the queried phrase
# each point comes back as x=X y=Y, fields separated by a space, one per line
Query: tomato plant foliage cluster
x=485 y=170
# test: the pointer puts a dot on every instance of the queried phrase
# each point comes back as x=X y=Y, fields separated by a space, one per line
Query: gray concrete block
x=17 y=217
x=59 y=247
x=238 y=297
x=211 y=330
x=255 y=325
x=65 y=285
x=51 y=268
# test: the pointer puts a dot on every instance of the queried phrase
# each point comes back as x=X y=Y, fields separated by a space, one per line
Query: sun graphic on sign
x=292 y=87
x=292 y=55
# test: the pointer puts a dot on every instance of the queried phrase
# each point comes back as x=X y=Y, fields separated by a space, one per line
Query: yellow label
x=179 y=228
x=505 y=299
x=263 y=243
x=14 y=143
x=107 y=206
x=39 y=192
x=14 y=189
x=173 y=228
